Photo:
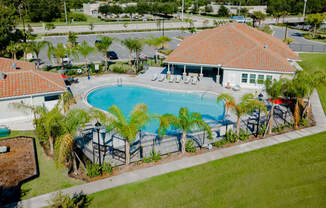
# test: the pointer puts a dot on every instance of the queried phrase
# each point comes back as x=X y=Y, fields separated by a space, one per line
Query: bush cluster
x=190 y=146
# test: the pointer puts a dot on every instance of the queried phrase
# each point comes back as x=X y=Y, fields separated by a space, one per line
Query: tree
x=157 y=43
x=138 y=47
x=228 y=101
x=130 y=10
x=104 y=9
x=116 y=9
x=59 y=52
x=13 y=48
x=186 y=122
x=129 y=127
x=85 y=50
x=223 y=11
x=72 y=39
x=258 y=16
x=205 y=22
x=274 y=90
x=244 y=11
x=208 y=9
x=49 y=26
x=36 y=47
x=316 y=20
x=247 y=105
x=129 y=44
x=103 y=47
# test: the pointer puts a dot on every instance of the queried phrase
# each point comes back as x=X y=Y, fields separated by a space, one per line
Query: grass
x=312 y=62
x=291 y=174
x=51 y=178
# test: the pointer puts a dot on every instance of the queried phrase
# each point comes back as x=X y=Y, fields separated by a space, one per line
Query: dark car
x=98 y=41
x=112 y=55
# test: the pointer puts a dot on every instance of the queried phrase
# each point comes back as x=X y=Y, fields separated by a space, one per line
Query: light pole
x=304 y=9
x=98 y=127
x=260 y=98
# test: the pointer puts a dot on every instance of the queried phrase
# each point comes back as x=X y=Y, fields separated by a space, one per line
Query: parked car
x=112 y=55
x=98 y=41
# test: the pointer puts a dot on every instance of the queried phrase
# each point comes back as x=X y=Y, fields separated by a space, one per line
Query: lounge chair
x=162 y=78
x=236 y=88
x=171 y=79
x=155 y=76
x=194 y=80
x=187 y=80
x=178 y=79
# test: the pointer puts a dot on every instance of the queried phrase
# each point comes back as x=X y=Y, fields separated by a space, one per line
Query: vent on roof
x=266 y=46
x=13 y=66
x=2 y=76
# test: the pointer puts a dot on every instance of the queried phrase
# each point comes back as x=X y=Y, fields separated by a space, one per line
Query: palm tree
x=85 y=50
x=138 y=47
x=59 y=52
x=228 y=101
x=157 y=43
x=247 y=105
x=103 y=47
x=129 y=127
x=274 y=90
x=186 y=121
x=14 y=48
x=26 y=48
x=65 y=145
x=35 y=47
x=129 y=44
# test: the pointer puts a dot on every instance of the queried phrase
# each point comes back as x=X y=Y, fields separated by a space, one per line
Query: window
x=51 y=98
x=244 y=78
x=252 y=78
x=269 y=77
x=260 y=79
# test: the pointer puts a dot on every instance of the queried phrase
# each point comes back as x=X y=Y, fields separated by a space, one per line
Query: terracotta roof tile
x=235 y=45
x=27 y=81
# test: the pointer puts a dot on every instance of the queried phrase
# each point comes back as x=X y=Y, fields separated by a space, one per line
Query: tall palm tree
x=65 y=145
x=157 y=43
x=274 y=90
x=228 y=101
x=85 y=50
x=59 y=52
x=36 y=47
x=186 y=122
x=103 y=47
x=247 y=105
x=129 y=126
x=129 y=44
x=14 y=48
x=138 y=47
x=26 y=49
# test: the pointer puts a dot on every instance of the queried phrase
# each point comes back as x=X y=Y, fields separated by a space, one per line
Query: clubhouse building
x=234 y=55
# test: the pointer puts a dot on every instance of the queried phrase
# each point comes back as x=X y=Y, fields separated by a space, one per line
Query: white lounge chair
x=178 y=79
x=155 y=76
x=236 y=88
x=187 y=80
x=171 y=79
x=162 y=78
x=194 y=80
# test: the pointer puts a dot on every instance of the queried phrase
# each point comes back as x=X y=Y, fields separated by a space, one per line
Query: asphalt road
x=300 y=44
x=122 y=52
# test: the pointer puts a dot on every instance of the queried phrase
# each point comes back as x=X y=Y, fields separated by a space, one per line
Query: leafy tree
x=258 y=16
x=116 y=9
x=103 y=47
x=247 y=105
x=244 y=11
x=316 y=20
x=44 y=10
x=49 y=26
x=130 y=10
x=186 y=122
x=104 y=9
x=223 y=11
x=85 y=50
x=143 y=8
x=208 y=9
x=36 y=47
x=129 y=126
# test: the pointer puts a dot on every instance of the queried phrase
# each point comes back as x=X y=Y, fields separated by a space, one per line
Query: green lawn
x=312 y=62
x=291 y=174
x=50 y=179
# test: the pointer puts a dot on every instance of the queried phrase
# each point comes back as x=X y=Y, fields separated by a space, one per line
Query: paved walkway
x=141 y=174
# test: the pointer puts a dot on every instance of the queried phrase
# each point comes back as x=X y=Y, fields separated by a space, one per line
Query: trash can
x=4 y=131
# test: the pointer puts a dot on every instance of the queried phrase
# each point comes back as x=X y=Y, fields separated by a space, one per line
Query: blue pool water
x=157 y=101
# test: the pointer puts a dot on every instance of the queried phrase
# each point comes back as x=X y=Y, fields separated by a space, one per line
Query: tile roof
x=235 y=45
x=25 y=80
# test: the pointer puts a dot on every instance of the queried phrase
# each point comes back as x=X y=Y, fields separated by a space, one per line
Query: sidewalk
x=141 y=174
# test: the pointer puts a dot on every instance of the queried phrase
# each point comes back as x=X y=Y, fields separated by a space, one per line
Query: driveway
x=122 y=52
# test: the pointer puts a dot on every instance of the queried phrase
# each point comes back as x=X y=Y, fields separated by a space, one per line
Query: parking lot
x=122 y=52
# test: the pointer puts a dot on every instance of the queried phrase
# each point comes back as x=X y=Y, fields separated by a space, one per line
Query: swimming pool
x=157 y=101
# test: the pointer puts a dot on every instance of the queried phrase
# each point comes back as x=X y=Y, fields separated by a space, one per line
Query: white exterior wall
x=9 y=114
x=234 y=77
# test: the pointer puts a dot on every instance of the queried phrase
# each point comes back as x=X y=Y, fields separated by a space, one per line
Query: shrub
x=119 y=67
x=107 y=167
x=61 y=200
x=303 y=122
x=155 y=156
x=93 y=169
x=165 y=51
x=147 y=160
x=80 y=17
x=190 y=146
x=243 y=136
x=220 y=143
x=231 y=136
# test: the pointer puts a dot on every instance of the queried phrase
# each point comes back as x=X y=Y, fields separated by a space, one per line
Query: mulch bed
x=16 y=166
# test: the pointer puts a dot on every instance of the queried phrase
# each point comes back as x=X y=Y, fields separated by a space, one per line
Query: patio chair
x=194 y=80
x=187 y=80
x=155 y=76
x=178 y=79
x=162 y=78
x=171 y=79
x=236 y=88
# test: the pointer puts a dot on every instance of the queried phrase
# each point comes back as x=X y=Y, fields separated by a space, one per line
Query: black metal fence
x=308 y=47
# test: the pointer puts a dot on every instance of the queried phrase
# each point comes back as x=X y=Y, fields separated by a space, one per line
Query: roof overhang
x=30 y=95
